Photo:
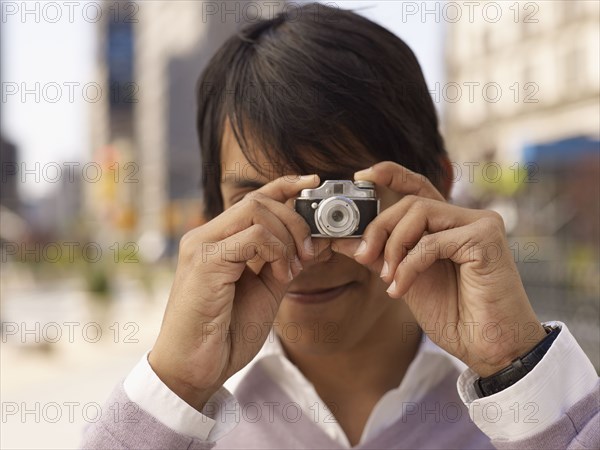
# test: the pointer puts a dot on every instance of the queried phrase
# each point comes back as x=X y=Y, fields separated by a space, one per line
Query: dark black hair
x=316 y=88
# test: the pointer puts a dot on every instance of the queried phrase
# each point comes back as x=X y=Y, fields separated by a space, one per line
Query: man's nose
x=323 y=252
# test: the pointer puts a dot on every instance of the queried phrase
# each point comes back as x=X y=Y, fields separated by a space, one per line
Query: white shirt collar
x=430 y=365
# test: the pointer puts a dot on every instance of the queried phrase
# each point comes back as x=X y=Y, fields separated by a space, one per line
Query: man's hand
x=452 y=266
x=232 y=272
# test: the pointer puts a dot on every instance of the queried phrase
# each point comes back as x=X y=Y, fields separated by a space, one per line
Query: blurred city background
x=100 y=171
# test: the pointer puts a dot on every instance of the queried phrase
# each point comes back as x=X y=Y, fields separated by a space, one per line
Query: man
x=324 y=335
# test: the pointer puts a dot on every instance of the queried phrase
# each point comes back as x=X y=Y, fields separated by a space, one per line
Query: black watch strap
x=517 y=369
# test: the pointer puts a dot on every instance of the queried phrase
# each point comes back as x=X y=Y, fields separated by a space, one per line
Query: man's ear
x=447 y=177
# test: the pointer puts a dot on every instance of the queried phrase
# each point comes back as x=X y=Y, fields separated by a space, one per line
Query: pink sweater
x=272 y=427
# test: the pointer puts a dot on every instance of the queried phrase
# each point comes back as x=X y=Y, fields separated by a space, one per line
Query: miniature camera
x=338 y=208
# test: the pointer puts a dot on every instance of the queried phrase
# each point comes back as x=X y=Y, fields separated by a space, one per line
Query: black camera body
x=338 y=208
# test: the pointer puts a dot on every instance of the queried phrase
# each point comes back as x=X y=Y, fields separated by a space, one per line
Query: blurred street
x=60 y=385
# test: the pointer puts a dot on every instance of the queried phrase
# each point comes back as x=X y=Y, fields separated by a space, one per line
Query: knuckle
x=419 y=205
x=254 y=196
x=410 y=199
x=428 y=241
x=259 y=231
x=185 y=240
x=384 y=166
x=252 y=202
x=493 y=220
x=488 y=229
x=379 y=167
x=186 y=244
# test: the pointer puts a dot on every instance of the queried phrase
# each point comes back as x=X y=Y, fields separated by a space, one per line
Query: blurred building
x=9 y=196
x=57 y=213
x=529 y=77
x=12 y=225
x=173 y=43
x=151 y=60
x=523 y=95
x=110 y=206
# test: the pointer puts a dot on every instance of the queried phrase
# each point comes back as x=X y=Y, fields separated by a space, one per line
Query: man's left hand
x=452 y=266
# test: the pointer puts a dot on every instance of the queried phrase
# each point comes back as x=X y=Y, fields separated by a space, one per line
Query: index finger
x=399 y=179
x=288 y=186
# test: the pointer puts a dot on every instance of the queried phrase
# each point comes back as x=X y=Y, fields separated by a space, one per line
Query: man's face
x=335 y=303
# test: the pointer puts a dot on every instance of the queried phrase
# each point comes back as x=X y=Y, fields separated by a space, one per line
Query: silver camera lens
x=337 y=217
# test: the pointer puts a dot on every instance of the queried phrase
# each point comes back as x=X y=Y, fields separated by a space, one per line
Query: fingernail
x=308 y=177
x=297 y=264
x=361 y=248
x=290 y=274
x=392 y=287
x=384 y=270
x=308 y=246
x=363 y=172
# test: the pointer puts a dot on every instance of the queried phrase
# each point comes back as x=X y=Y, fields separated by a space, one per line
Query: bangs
x=295 y=125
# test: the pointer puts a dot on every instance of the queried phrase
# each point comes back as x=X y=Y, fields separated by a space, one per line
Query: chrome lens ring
x=337 y=216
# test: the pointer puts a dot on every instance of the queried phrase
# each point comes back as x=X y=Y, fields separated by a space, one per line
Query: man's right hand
x=232 y=271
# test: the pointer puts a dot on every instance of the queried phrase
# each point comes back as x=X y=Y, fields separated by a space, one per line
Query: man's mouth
x=319 y=295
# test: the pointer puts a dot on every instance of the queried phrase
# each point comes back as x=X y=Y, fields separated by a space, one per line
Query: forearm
x=124 y=425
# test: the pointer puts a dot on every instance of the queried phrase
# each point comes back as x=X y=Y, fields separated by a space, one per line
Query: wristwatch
x=518 y=368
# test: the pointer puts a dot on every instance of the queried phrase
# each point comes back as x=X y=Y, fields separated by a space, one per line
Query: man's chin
x=316 y=330
x=317 y=339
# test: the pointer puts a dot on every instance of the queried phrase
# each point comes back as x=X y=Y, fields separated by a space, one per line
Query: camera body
x=338 y=208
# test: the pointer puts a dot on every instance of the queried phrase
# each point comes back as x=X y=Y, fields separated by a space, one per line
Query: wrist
x=518 y=368
x=517 y=349
x=195 y=397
